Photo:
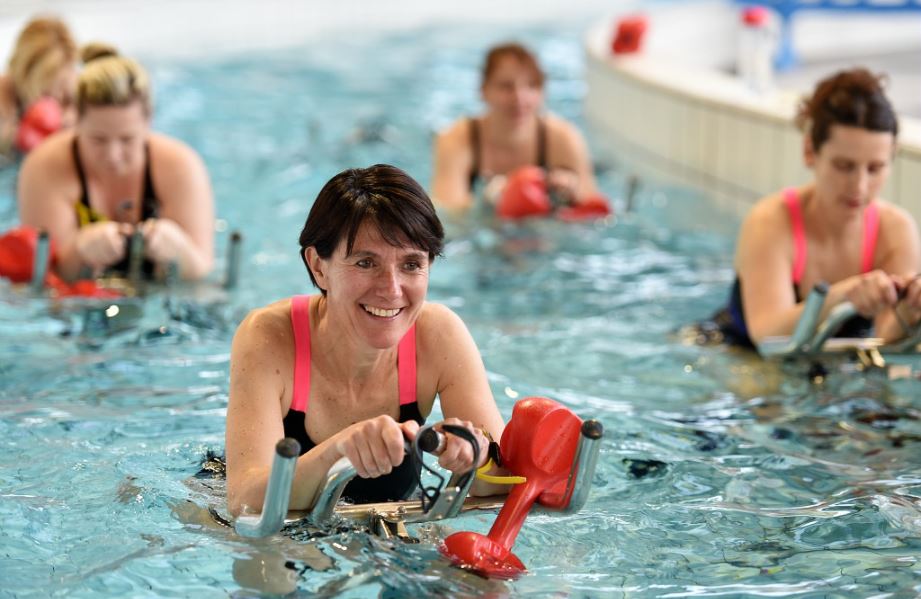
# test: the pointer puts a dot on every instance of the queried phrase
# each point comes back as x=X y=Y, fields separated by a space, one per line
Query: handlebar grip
x=431 y=441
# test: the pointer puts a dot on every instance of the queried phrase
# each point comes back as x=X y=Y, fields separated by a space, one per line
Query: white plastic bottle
x=756 y=49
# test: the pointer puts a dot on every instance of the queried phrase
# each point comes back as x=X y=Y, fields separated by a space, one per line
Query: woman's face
x=64 y=85
x=378 y=290
x=112 y=138
x=512 y=91
x=851 y=166
x=63 y=88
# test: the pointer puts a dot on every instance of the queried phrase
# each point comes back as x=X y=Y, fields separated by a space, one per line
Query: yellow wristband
x=499 y=480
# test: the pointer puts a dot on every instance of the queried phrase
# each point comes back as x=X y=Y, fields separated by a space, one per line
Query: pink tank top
x=300 y=323
x=870 y=233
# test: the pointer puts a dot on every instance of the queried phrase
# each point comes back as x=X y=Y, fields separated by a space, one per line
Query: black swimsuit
x=477 y=158
x=150 y=207
x=401 y=482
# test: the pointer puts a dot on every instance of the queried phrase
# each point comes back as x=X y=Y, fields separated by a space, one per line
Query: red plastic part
x=479 y=553
x=17 y=252
x=538 y=443
x=17 y=255
x=594 y=206
x=755 y=16
x=40 y=120
x=628 y=37
x=525 y=194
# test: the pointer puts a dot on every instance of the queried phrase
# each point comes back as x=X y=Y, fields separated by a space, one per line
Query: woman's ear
x=808 y=152
x=317 y=266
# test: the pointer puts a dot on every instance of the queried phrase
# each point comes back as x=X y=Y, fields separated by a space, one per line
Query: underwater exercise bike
x=110 y=303
x=550 y=453
x=814 y=340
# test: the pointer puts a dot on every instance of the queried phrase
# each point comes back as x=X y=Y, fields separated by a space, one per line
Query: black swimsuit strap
x=150 y=207
x=542 y=144
x=81 y=176
x=475 y=149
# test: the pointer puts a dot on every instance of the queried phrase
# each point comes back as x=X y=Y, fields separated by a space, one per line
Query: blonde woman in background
x=93 y=186
x=43 y=64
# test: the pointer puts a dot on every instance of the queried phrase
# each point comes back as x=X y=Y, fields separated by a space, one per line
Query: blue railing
x=786 y=9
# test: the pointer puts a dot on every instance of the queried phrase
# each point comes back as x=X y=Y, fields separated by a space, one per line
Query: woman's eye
x=364 y=263
x=412 y=266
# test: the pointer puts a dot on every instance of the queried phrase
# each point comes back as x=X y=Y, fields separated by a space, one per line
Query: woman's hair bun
x=94 y=50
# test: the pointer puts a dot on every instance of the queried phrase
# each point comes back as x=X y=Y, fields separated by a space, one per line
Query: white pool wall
x=674 y=112
x=190 y=28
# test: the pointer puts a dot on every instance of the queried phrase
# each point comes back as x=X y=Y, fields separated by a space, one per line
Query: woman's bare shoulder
x=898 y=229
x=770 y=211
x=171 y=151
x=267 y=323
x=558 y=124
x=50 y=166
x=457 y=134
x=437 y=325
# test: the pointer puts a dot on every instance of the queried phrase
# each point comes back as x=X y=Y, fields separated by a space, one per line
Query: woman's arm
x=452 y=163
x=568 y=148
x=462 y=387
x=184 y=231
x=764 y=267
x=899 y=255
x=259 y=365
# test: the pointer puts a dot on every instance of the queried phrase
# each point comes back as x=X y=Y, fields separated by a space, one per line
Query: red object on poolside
x=593 y=206
x=40 y=120
x=628 y=37
x=539 y=443
x=525 y=194
x=755 y=16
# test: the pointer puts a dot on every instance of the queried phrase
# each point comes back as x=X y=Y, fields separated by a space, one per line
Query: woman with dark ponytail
x=835 y=228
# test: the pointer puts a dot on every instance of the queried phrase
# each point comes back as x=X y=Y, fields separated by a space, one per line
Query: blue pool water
x=718 y=475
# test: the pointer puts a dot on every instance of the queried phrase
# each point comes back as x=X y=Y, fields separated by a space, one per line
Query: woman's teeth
x=382 y=312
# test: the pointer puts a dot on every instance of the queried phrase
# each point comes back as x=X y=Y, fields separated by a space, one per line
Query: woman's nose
x=388 y=283
x=861 y=181
x=113 y=153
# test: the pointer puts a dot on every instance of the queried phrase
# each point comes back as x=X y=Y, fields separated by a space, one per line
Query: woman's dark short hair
x=512 y=50
x=853 y=98
x=382 y=195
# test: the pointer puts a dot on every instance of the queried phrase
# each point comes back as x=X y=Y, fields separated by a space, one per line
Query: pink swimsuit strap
x=791 y=199
x=870 y=234
x=300 y=323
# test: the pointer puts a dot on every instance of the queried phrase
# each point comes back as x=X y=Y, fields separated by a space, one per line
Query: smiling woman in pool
x=366 y=356
x=866 y=249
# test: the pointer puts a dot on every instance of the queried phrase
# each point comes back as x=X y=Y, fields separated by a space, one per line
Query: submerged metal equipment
x=277 y=494
x=136 y=258
x=803 y=333
x=583 y=467
x=233 y=260
x=40 y=261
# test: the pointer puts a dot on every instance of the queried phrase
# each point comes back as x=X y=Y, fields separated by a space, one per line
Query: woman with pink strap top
x=834 y=229
x=355 y=370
